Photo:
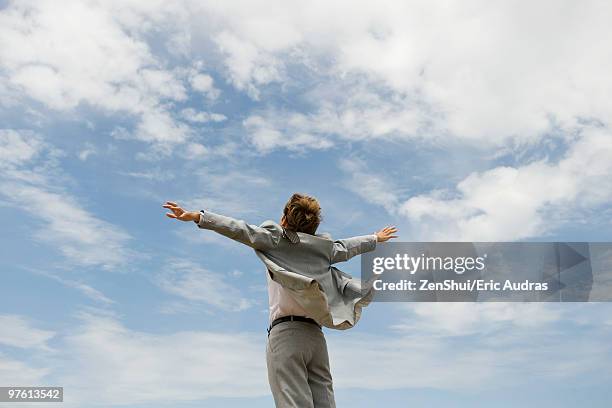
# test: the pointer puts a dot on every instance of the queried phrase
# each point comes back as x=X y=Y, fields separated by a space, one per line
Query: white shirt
x=282 y=302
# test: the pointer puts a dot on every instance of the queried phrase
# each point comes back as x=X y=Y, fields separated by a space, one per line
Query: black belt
x=292 y=319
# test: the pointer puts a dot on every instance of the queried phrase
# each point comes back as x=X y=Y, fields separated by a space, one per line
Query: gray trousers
x=298 y=366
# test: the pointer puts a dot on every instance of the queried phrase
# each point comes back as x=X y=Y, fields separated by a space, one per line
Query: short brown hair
x=302 y=213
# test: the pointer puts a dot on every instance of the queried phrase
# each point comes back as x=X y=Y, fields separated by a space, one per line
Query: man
x=305 y=292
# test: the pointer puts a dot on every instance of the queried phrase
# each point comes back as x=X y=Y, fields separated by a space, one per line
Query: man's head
x=302 y=213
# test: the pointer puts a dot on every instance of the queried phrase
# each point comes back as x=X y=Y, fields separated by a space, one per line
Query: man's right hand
x=386 y=234
x=180 y=214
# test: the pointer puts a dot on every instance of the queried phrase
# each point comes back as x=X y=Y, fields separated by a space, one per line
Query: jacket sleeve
x=262 y=237
x=345 y=249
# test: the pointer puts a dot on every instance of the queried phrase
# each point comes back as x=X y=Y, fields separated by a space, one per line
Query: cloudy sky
x=469 y=120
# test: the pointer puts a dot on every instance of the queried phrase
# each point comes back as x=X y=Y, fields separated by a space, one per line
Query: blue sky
x=471 y=121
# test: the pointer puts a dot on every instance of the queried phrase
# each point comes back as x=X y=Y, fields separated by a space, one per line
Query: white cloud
x=501 y=343
x=508 y=203
x=249 y=66
x=30 y=185
x=265 y=135
x=15 y=149
x=420 y=61
x=152 y=174
x=18 y=332
x=67 y=58
x=460 y=319
x=369 y=185
x=17 y=372
x=195 y=151
x=158 y=125
x=80 y=236
x=97 y=54
x=473 y=348
x=192 y=115
x=122 y=366
x=200 y=287
x=85 y=289
x=86 y=152
x=225 y=191
x=349 y=112
x=426 y=67
x=204 y=83
x=534 y=69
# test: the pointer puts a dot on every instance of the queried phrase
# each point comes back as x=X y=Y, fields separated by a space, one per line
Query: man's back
x=303 y=265
x=309 y=255
x=302 y=253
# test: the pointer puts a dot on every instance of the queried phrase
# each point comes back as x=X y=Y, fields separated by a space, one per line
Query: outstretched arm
x=257 y=237
x=345 y=249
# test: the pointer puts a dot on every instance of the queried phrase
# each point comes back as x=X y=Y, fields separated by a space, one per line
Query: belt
x=292 y=319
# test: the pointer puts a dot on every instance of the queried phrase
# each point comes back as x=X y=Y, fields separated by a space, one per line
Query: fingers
x=173 y=207
x=389 y=230
x=171 y=215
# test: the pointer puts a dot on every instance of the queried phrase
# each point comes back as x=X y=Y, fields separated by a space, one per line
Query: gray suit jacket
x=302 y=263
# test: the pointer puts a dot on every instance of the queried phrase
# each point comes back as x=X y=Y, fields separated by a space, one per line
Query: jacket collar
x=291 y=236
